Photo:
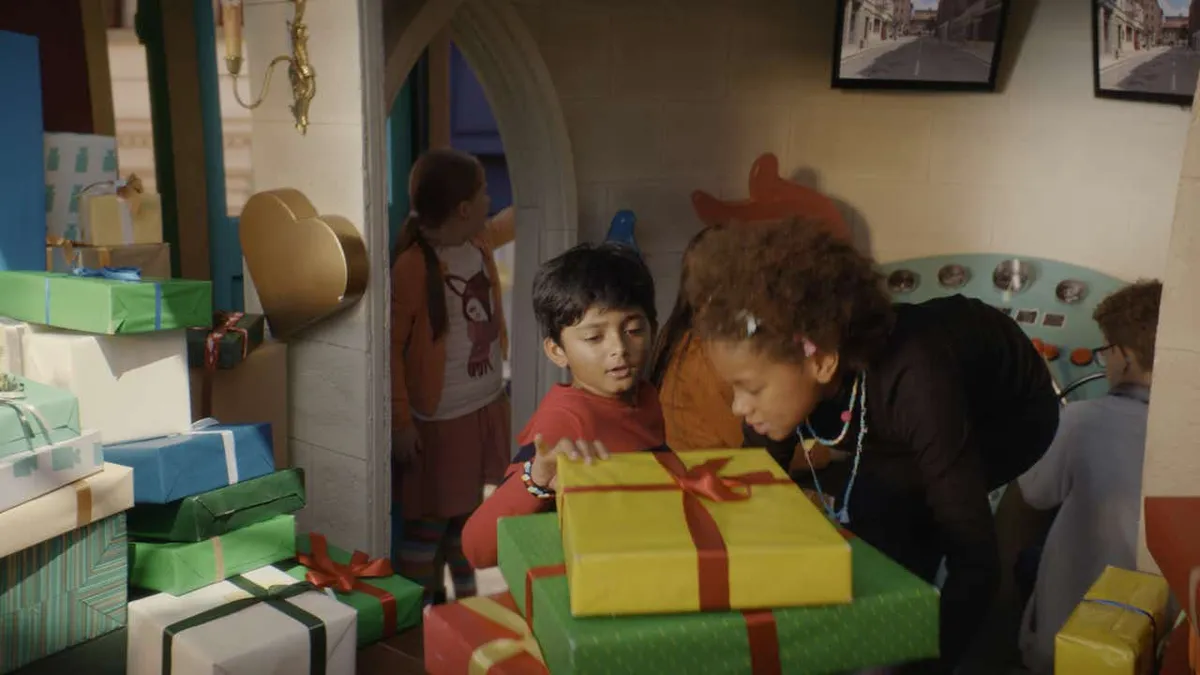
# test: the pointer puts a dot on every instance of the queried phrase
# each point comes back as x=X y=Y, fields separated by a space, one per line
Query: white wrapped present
x=68 y=508
x=129 y=387
x=10 y=345
x=260 y=623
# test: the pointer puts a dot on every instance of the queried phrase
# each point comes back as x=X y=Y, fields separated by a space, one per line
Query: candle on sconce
x=231 y=17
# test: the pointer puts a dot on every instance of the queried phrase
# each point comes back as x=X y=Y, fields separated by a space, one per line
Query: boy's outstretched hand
x=545 y=461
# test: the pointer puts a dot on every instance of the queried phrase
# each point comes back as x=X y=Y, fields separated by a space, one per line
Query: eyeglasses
x=1099 y=355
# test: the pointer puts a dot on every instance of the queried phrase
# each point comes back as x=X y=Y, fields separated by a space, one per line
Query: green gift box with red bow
x=386 y=603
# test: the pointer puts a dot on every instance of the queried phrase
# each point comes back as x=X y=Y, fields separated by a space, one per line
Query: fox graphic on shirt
x=482 y=327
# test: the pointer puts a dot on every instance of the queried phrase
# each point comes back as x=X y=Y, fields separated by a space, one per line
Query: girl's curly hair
x=777 y=283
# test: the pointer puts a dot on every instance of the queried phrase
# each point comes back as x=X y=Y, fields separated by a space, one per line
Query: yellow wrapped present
x=119 y=213
x=704 y=530
x=1115 y=629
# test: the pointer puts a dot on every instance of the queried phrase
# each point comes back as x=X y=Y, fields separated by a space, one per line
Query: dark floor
x=400 y=655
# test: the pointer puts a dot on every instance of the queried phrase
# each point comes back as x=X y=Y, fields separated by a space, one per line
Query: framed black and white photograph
x=918 y=44
x=1146 y=50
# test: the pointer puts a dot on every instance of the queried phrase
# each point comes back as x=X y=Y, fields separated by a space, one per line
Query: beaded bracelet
x=533 y=488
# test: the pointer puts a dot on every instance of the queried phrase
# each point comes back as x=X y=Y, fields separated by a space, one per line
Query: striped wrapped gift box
x=62 y=592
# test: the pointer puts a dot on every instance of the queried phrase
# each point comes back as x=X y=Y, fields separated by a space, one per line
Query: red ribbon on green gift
x=223 y=323
x=325 y=572
x=697 y=485
x=762 y=636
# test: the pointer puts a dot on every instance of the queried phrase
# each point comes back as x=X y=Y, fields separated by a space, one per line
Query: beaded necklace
x=860 y=387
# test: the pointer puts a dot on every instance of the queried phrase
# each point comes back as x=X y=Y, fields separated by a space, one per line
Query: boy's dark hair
x=1129 y=319
x=773 y=283
x=607 y=275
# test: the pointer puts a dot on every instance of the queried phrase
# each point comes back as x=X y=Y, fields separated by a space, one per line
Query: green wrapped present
x=62 y=592
x=385 y=603
x=233 y=336
x=182 y=568
x=893 y=619
x=20 y=429
x=217 y=512
x=107 y=302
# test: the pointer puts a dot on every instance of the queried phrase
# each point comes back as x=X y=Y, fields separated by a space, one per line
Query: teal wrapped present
x=893 y=619
x=25 y=405
x=110 y=301
x=62 y=592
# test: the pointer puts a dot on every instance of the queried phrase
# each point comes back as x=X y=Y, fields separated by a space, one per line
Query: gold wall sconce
x=300 y=70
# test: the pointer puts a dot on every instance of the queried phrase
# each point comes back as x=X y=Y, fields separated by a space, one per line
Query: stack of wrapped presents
x=693 y=562
x=124 y=503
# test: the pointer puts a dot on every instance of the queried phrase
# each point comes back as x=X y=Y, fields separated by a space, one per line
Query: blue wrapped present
x=208 y=457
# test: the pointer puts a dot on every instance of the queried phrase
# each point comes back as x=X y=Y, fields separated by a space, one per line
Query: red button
x=1081 y=357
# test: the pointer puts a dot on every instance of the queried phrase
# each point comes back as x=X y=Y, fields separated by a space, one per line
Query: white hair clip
x=751 y=322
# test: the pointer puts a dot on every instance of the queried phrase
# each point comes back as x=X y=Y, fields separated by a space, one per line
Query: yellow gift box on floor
x=704 y=530
x=1115 y=629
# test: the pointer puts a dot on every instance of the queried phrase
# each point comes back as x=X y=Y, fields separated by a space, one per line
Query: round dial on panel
x=903 y=281
x=953 y=276
x=1071 y=291
x=1012 y=276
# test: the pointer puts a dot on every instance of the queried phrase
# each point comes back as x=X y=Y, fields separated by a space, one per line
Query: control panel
x=1052 y=301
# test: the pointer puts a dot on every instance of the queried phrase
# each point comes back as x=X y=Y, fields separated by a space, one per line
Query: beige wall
x=336 y=374
x=135 y=140
x=661 y=101
x=1172 y=453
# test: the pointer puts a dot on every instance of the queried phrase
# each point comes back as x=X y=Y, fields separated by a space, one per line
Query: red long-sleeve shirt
x=565 y=412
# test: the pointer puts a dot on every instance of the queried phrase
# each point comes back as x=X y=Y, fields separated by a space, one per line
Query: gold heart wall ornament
x=305 y=266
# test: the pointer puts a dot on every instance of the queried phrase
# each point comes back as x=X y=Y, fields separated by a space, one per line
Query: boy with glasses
x=1093 y=471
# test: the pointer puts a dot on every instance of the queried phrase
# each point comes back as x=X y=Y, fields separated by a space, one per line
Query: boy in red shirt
x=595 y=307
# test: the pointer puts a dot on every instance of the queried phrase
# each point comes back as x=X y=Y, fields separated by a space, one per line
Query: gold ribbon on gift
x=83 y=503
x=130 y=190
x=72 y=250
x=497 y=651
x=218 y=558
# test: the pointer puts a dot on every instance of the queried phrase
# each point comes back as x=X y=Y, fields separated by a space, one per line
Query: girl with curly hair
x=934 y=404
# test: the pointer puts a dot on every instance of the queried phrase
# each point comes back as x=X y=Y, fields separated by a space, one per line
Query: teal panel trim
x=224 y=248
x=400 y=160
x=408 y=137
x=1068 y=326
x=148 y=25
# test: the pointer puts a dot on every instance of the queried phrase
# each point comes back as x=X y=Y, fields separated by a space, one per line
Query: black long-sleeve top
x=958 y=403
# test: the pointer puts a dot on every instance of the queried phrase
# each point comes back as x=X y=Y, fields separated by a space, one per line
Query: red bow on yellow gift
x=324 y=572
x=705 y=480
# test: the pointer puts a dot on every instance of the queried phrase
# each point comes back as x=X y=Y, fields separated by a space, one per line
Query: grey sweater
x=1094 y=471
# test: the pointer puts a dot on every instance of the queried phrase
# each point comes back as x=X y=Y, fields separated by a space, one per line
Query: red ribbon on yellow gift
x=697 y=485
x=324 y=572
x=762 y=635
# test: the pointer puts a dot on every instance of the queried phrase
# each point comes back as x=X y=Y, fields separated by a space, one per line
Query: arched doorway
x=505 y=57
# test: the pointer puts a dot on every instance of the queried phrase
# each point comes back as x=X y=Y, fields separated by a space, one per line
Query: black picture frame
x=883 y=55
x=1141 y=52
